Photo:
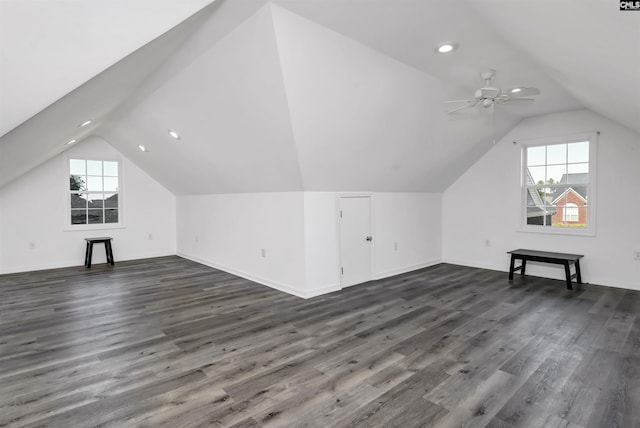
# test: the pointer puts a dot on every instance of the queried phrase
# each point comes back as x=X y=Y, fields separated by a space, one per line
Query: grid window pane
x=557 y=154
x=77 y=167
x=578 y=152
x=94 y=184
x=78 y=216
x=96 y=200
x=110 y=169
x=78 y=201
x=111 y=184
x=94 y=167
x=556 y=173
x=538 y=173
x=536 y=156
x=77 y=182
x=578 y=168
x=94 y=216
x=110 y=216
x=111 y=200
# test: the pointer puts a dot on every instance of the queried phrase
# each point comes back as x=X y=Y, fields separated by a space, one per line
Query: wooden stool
x=89 y=251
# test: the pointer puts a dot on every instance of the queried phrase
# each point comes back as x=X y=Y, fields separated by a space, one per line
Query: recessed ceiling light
x=85 y=123
x=516 y=90
x=68 y=143
x=446 y=47
x=174 y=134
x=142 y=148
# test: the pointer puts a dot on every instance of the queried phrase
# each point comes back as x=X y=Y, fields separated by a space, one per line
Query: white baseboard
x=77 y=263
x=264 y=281
x=324 y=290
x=542 y=272
x=405 y=269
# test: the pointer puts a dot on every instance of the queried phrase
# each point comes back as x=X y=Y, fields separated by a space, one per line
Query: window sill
x=88 y=227
x=546 y=230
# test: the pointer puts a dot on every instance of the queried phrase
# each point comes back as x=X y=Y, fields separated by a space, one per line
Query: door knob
x=369 y=238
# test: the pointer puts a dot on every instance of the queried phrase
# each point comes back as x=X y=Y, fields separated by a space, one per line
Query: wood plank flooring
x=169 y=342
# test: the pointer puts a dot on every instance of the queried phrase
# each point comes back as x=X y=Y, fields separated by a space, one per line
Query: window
x=558 y=185
x=94 y=189
x=570 y=213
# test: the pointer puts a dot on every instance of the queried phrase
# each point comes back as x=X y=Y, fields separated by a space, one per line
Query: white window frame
x=67 y=225
x=590 y=230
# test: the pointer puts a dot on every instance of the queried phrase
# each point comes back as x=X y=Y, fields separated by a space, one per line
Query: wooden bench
x=546 y=257
x=89 y=251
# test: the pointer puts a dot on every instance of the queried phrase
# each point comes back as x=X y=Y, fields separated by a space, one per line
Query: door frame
x=369 y=195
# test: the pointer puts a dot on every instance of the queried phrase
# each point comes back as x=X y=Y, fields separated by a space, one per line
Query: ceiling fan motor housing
x=487 y=93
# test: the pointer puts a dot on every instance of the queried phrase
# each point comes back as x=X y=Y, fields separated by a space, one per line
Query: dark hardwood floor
x=168 y=342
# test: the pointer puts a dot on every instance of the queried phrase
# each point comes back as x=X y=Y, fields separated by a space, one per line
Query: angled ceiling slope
x=50 y=48
x=230 y=110
x=44 y=135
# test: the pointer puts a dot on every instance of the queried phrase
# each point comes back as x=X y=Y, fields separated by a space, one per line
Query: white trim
x=590 y=230
x=251 y=277
x=66 y=225
x=405 y=269
x=74 y=263
x=561 y=277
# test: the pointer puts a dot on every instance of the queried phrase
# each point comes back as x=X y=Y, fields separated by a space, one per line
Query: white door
x=355 y=240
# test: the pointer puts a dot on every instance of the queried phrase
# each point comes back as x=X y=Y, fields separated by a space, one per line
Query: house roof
x=574 y=182
x=580 y=194
x=299 y=94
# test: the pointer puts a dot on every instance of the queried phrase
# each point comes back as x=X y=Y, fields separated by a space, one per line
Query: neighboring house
x=537 y=211
x=571 y=201
x=572 y=208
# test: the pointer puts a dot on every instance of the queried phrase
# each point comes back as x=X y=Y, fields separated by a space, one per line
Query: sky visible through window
x=551 y=164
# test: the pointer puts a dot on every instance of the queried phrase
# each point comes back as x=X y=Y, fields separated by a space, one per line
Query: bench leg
x=567 y=272
x=109 y=250
x=524 y=265
x=578 y=276
x=86 y=256
x=89 y=253
x=513 y=262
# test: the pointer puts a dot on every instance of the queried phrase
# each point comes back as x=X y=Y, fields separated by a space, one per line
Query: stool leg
x=90 y=255
x=578 y=276
x=513 y=262
x=86 y=256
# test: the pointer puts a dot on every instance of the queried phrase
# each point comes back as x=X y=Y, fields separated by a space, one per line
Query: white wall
x=229 y=231
x=299 y=231
x=321 y=242
x=32 y=234
x=413 y=221
x=483 y=204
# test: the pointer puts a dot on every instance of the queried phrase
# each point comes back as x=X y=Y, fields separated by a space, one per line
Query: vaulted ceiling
x=300 y=94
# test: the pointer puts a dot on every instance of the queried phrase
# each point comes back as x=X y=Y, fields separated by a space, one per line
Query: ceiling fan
x=488 y=96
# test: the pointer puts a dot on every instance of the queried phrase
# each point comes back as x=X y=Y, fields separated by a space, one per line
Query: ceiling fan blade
x=518 y=101
x=460 y=108
x=523 y=92
x=461 y=101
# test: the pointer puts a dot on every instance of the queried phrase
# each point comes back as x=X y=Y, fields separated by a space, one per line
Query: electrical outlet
x=487 y=243
x=636 y=254
x=150 y=237
x=395 y=246
x=196 y=239
x=32 y=245
x=263 y=253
